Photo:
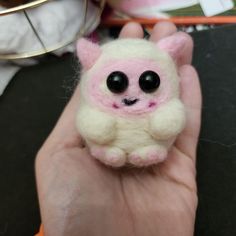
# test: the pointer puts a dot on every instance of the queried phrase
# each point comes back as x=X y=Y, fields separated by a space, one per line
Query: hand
x=79 y=196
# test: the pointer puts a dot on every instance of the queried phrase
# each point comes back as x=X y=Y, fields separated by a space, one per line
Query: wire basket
x=22 y=9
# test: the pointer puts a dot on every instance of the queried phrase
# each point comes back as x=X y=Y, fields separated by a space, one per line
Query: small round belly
x=133 y=135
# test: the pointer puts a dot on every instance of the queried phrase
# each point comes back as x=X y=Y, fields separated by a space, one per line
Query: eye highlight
x=149 y=81
x=117 y=82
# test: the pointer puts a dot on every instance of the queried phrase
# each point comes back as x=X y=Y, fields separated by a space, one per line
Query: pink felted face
x=128 y=86
x=131 y=86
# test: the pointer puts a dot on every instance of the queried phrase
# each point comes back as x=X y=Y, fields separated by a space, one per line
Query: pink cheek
x=97 y=97
x=152 y=104
x=114 y=105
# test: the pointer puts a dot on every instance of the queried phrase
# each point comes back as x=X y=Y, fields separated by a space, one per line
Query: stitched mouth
x=130 y=102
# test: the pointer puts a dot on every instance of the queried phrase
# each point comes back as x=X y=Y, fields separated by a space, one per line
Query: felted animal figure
x=129 y=108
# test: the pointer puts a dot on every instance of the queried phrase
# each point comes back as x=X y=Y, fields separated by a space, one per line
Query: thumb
x=192 y=99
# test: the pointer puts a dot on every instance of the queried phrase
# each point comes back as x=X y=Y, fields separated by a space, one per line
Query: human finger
x=132 y=30
x=161 y=30
x=192 y=99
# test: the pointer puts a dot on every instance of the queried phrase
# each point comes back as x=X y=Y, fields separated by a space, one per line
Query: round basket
x=23 y=9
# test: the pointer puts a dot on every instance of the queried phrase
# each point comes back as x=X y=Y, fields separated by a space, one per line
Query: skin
x=80 y=196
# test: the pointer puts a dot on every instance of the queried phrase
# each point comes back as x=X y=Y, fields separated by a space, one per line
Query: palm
x=77 y=192
x=137 y=199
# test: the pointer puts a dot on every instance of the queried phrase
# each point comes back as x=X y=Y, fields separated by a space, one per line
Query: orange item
x=186 y=20
x=40 y=233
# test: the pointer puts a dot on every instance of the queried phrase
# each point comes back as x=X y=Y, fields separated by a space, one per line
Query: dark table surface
x=37 y=95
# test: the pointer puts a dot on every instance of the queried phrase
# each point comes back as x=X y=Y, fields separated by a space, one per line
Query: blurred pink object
x=149 y=8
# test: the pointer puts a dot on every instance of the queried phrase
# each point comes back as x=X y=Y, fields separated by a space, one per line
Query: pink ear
x=87 y=52
x=174 y=45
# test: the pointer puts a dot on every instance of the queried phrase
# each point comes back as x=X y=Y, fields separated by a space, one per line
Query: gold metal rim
x=35 y=53
x=23 y=7
x=52 y=48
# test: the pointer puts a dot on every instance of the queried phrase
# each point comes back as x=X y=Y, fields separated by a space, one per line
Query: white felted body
x=142 y=133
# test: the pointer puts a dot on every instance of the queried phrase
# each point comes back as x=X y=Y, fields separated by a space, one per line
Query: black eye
x=117 y=82
x=149 y=81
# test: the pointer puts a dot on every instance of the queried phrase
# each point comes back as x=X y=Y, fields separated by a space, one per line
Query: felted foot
x=111 y=156
x=148 y=155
